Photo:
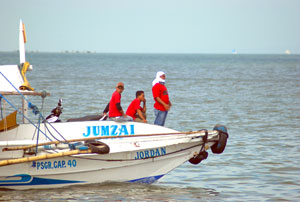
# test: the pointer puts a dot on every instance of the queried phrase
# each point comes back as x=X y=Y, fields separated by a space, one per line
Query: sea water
x=256 y=96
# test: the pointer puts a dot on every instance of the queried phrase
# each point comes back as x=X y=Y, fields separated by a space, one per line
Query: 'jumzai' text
x=109 y=130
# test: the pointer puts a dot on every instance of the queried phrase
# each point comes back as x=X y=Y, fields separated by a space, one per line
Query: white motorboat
x=84 y=151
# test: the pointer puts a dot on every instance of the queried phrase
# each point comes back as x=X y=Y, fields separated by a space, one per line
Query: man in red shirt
x=135 y=111
x=161 y=97
x=114 y=108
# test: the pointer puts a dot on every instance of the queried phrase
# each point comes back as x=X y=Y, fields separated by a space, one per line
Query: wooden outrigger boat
x=51 y=155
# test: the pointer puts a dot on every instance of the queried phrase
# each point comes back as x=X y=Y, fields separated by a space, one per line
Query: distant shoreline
x=133 y=53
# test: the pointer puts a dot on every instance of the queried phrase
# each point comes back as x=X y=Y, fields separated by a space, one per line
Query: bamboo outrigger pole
x=44 y=156
x=92 y=138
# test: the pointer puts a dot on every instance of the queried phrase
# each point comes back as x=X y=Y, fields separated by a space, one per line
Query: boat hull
x=133 y=156
x=134 y=166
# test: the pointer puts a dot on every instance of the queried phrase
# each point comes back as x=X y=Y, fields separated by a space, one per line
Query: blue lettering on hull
x=109 y=130
x=47 y=165
x=150 y=153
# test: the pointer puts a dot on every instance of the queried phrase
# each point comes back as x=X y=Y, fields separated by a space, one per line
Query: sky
x=153 y=26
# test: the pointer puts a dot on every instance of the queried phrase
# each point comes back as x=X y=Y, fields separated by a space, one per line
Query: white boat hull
x=74 y=171
x=134 y=158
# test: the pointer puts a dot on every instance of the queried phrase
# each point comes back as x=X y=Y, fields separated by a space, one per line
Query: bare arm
x=106 y=109
x=120 y=108
x=144 y=106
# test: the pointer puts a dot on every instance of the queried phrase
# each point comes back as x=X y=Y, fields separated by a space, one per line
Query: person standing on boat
x=114 y=109
x=135 y=110
x=161 y=97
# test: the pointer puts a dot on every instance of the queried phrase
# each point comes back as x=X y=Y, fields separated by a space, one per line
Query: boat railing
x=34 y=109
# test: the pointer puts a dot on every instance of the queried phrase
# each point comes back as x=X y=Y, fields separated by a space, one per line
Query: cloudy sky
x=153 y=26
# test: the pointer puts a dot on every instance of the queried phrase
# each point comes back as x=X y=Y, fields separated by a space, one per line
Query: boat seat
x=9 y=122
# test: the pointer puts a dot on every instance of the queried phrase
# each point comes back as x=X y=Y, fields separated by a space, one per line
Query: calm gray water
x=256 y=96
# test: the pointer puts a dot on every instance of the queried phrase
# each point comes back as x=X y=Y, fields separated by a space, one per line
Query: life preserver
x=197 y=159
x=98 y=147
x=219 y=146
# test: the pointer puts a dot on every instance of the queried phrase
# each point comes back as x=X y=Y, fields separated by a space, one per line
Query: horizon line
x=169 y=53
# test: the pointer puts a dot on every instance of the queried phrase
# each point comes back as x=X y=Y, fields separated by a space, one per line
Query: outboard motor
x=55 y=113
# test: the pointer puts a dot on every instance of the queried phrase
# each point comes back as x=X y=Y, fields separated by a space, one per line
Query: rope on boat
x=24 y=115
x=88 y=150
x=102 y=148
x=174 y=152
x=29 y=103
x=38 y=133
x=44 y=94
x=1 y=107
x=35 y=110
x=98 y=138
x=45 y=120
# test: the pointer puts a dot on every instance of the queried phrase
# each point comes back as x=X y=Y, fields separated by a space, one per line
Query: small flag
x=24 y=34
